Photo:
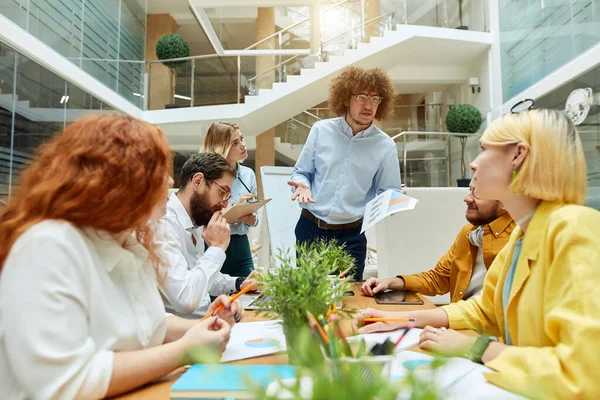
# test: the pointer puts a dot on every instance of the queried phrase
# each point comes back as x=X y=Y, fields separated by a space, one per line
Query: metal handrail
x=311 y=115
x=412 y=133
x=293 y=25
x=359 y=26
x=273 y=68
x=300 y=123
x=241 y=53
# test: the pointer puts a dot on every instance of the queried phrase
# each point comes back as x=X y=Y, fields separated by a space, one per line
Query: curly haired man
x=346 y=162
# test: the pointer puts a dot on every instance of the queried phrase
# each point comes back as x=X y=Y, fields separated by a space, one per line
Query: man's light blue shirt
x=345 y=172
x=246 y=175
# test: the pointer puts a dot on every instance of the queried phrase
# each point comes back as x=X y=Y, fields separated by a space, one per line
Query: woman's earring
x=514 y=173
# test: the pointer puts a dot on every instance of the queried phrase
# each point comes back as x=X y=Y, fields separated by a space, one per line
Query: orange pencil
x=231 y=300
x=388 y=320
x=312 y=321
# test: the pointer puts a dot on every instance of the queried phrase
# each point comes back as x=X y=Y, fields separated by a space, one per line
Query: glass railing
x=215 y=80
x=96 y=35
x=227 y=79
x=435 y=159
x=295 y=130
x=538 y=37
x=471 y=15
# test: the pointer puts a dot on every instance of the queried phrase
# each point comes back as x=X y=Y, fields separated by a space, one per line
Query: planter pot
x=167 y=106
x=463 y=182
x=292 y=334
x=463 y=27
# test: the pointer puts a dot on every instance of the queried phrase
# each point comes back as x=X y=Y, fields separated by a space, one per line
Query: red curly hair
x=103 y=171
x=353 y=80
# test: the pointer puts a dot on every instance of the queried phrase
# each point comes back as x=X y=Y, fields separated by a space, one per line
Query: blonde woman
x=540 y=294
x=226 y=139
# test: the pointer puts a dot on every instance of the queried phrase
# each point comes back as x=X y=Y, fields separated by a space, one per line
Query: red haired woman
x=80 y=312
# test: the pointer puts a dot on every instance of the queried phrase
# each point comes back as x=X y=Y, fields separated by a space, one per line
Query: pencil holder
x=371 y=368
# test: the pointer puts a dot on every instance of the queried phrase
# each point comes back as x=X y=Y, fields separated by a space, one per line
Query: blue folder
x=224 y=377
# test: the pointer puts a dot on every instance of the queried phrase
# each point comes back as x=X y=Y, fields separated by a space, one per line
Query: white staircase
x=407 y=45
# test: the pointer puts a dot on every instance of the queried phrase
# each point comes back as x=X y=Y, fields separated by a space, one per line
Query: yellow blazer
x=553 y=310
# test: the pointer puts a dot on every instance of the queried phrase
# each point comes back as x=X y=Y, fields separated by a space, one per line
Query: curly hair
x=353 y=80
x=103 y=171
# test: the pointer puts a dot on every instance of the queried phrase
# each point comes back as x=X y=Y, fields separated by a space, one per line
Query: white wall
x=410 y=242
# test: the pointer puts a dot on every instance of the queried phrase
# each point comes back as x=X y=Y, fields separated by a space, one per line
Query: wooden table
x=161 y=390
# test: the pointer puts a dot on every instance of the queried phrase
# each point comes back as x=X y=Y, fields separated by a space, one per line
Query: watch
x=238 y=283
x=477 y=350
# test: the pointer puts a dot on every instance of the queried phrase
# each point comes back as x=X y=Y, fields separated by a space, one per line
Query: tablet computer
x=398 y=297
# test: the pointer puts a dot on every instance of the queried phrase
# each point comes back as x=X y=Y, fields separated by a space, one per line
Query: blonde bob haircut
x=554 y=169
x=218 y=138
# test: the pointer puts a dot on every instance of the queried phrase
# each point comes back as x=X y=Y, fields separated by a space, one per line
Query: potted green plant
x=463 y=118
x=460 y=17
x=168 y=47
x=315 y=281
x=317 y=380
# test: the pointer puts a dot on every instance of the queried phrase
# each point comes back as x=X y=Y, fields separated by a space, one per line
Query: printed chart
x=262 y=343
x=387 y=203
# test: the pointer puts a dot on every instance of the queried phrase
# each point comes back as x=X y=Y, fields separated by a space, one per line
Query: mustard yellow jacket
x=553 y=310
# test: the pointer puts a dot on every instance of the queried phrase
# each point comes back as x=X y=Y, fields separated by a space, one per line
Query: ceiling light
x=178 y=96
x=64 y=99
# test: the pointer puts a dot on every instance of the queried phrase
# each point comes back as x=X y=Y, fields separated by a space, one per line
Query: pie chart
x=261 y=343
x=415 y=364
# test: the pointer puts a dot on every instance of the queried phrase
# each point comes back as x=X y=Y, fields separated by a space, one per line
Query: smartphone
x=398 y=297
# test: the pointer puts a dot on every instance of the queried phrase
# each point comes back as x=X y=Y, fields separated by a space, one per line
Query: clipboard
x=233 y=213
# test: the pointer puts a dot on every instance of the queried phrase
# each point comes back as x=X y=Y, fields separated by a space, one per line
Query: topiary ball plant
x=168 y=47
x=463 y=118
x=172 y=46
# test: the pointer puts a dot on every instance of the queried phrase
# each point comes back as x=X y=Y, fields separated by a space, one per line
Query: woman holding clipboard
x=226 y=139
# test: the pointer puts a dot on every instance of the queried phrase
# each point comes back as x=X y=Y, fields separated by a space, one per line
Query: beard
x=201 y=210
x=484 y=219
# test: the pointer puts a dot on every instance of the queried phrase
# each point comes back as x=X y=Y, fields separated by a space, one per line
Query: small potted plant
x=168 y=47
x=460 y=17
x=318 y=379
x=463 y=118
x=315 y=282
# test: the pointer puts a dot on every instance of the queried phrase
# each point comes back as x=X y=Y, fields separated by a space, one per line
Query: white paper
x=410 y=340
x=458 y=379
x=253 y=339
x=387 y=203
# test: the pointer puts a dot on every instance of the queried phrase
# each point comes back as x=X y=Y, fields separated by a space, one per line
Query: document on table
x=254 y=339
x=457 y=379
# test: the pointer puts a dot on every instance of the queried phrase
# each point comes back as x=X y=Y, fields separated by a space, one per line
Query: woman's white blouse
x=69 y=299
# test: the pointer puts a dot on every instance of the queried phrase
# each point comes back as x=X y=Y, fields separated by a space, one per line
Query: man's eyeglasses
x=227 y=194
x=362 y=99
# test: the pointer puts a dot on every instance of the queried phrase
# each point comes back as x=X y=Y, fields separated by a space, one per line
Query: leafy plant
x=349 y=384
x=168 y=47
x=463 y=118
x=350 y=381
x=315 y=282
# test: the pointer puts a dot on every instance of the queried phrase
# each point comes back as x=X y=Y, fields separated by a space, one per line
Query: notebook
x=222 y=380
